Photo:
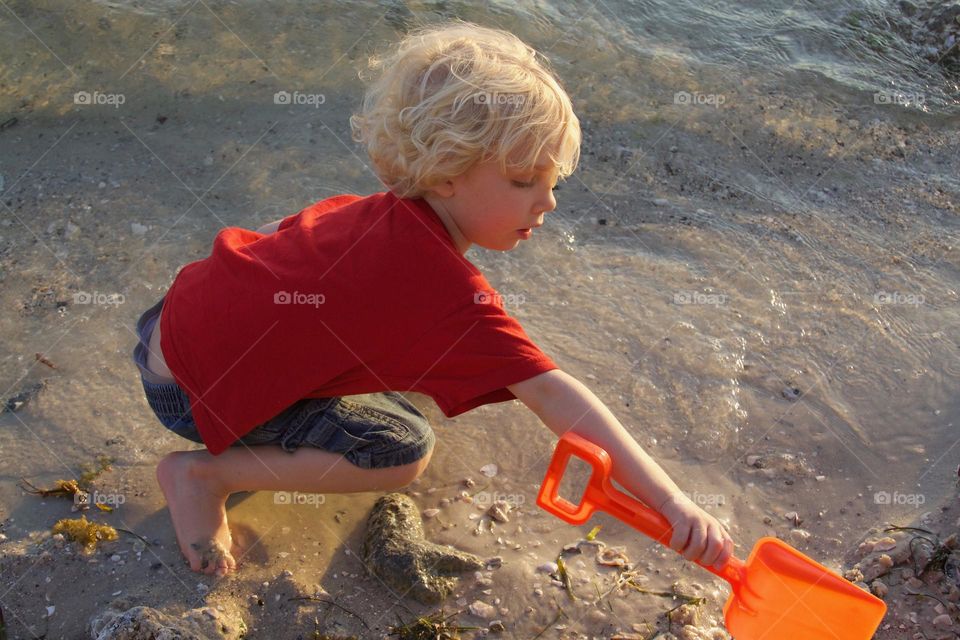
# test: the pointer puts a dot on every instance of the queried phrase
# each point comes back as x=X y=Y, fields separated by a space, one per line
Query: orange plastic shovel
x=777 y=593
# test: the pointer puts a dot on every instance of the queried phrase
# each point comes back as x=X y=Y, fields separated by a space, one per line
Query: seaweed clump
x=435 y=626
x=87 y=533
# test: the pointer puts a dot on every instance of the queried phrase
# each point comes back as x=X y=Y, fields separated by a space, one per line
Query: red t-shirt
x=351 y=295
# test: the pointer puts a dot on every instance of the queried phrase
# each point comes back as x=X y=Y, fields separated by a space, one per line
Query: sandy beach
x=755 y=268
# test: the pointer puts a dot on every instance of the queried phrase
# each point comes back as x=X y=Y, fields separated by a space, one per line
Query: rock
x=395 y=550
x=138 y=229
x=548 y=567
x=791 y=393
x=124 y=621
x=483 y=610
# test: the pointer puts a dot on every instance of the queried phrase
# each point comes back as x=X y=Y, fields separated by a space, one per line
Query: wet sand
x=764 y=293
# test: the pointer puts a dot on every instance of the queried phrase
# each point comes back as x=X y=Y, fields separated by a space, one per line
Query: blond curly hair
x=449 y=96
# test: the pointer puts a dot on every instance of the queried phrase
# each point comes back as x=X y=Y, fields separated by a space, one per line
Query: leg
x=197 y=484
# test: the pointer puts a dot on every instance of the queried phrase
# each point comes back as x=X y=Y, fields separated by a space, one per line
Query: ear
x=443 y=189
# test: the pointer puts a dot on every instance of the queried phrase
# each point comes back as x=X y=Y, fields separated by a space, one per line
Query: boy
x=278 y=349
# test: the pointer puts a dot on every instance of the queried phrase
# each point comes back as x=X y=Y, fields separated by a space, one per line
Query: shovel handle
x=601 y=495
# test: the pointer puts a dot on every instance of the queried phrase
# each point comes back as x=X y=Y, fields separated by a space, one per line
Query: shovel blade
x=785 y=594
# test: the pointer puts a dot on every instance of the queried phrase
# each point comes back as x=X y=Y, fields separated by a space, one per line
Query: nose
x=547 y=203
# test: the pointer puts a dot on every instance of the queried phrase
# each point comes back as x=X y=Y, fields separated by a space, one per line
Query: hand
x=697 y=535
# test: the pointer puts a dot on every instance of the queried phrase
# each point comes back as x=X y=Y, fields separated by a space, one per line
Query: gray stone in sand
x=395 y=550
x=121 y=621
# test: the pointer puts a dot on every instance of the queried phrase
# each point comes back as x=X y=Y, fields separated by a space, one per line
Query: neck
x=449 y=222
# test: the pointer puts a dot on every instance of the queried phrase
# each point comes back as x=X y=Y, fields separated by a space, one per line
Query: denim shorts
x=371 y=431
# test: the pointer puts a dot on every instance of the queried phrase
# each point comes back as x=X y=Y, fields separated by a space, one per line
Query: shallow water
x=769 y=268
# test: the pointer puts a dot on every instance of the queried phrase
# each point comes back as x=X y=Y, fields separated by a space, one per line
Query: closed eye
x=522 y=185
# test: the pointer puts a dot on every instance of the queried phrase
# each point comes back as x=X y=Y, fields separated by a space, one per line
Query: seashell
x=943 y=620
x=879 y=589
x=489 y=470
x=430 y=513
x=499 y=510
x=613 y=557
x=884 y=544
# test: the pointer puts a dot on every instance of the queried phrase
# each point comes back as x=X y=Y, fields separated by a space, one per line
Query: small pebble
x=548 y=567
x=430 y=513
x=483 y=610
x=489 y=470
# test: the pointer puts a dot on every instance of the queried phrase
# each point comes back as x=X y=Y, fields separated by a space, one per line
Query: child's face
x=486 y=207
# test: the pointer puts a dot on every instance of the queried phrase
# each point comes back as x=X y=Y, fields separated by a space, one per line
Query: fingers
x=714 y=553
x=678 y=541
x=707 y=544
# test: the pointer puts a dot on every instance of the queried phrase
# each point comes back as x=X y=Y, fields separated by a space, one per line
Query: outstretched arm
x=563 y=403
x=270 y=227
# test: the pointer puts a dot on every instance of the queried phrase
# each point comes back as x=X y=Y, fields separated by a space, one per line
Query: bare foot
x=199 y=514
